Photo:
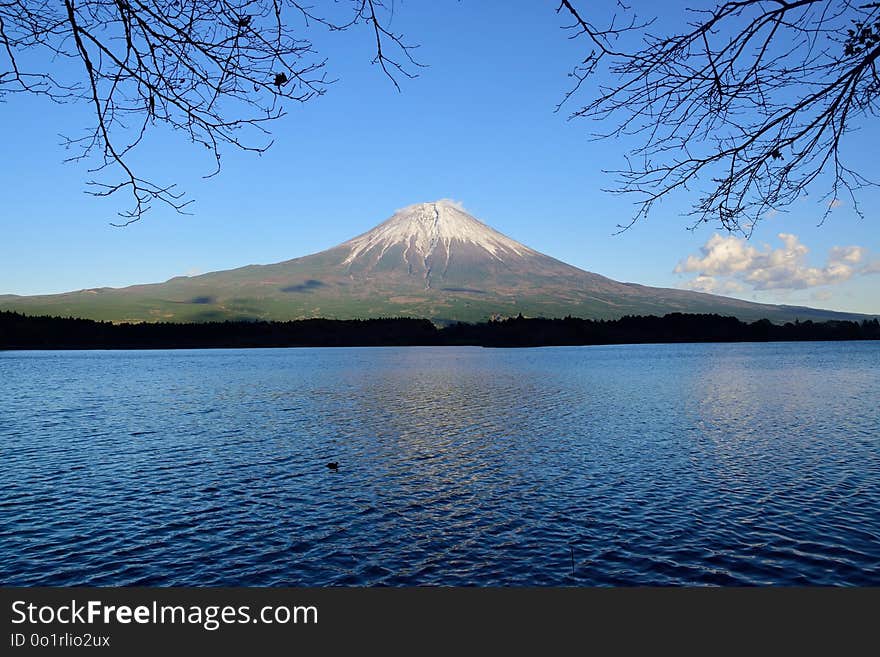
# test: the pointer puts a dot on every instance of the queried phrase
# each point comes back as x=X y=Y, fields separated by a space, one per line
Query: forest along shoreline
x=18 y=331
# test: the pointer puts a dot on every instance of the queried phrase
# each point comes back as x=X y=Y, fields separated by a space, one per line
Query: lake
x=692 y=464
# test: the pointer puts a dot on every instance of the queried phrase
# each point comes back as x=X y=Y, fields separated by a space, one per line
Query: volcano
x=431 y=260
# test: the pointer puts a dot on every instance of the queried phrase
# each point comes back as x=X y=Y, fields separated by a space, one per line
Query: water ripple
x=623 y=465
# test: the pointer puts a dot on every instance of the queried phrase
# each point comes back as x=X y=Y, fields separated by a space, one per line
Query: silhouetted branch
x=751 y=102
x=218 y=71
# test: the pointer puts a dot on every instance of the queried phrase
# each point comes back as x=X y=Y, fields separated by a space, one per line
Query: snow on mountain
x=430 y=260
x=424 y=229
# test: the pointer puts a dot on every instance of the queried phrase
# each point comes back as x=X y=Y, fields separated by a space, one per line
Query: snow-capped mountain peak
x=425 y=229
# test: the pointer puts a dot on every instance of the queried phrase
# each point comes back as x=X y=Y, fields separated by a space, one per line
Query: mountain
x=429 y=260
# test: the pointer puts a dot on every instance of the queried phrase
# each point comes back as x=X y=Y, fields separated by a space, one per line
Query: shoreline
x=25 y=333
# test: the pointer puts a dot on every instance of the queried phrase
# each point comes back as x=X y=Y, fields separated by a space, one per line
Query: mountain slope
x=428 y=260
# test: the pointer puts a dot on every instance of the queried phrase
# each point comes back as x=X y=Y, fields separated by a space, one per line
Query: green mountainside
x=430 y=260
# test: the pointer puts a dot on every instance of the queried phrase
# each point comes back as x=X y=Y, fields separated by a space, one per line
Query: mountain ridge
x=431 y=260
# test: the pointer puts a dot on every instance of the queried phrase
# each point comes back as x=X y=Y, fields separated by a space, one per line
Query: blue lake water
x=718 y=464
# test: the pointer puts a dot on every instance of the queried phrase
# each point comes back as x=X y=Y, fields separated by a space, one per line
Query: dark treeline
x=674 y=327
x=23 y=332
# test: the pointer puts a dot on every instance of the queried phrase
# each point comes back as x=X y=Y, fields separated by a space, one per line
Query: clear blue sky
x=476 y=126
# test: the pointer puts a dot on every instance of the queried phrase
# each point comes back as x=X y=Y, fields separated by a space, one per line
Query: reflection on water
x=650 y=464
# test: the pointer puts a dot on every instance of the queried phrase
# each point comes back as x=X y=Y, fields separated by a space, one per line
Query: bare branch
x=750 y=103
x=219 y=71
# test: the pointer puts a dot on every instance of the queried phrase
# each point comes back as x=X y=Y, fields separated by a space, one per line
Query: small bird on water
x=333 y=466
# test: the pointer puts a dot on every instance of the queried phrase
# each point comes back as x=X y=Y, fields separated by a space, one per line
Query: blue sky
x=476 y=126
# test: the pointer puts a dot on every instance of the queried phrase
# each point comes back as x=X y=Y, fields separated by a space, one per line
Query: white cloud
x=712 y=284
x=456 y=204
x=847 y=254
x=731 y=264
x=702 y=283
x=721 y=256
